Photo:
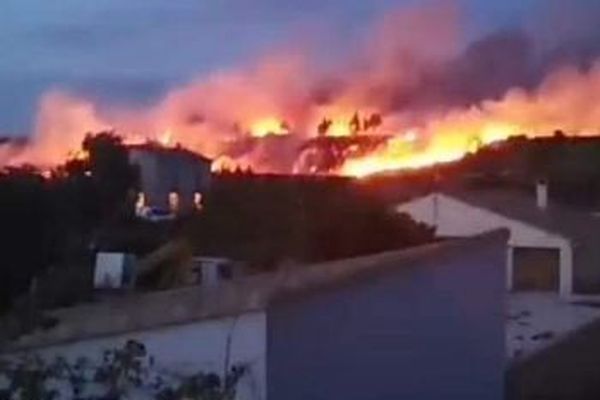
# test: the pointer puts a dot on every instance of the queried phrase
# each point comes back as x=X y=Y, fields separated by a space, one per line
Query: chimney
x=541 y=194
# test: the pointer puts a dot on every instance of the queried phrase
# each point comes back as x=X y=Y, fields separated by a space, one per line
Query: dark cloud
x=490 y=65
x=484 y=70
x=502 y=60
x=566 y=32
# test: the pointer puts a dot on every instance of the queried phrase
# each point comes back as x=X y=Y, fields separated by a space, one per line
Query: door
x=536 y=269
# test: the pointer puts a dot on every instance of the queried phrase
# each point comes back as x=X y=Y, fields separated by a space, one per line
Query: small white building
x=551 y=247
x=212 y=271
x=114 y=270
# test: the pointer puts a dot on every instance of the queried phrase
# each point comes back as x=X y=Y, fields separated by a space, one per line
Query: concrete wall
x=454 y=218
x=192 y=348
x=423 y=333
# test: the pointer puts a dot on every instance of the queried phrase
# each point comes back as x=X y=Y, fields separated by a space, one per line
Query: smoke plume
x=414 y=92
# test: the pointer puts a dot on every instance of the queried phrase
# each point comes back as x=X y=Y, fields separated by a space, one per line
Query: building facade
x=171 y=179
x=551 y=248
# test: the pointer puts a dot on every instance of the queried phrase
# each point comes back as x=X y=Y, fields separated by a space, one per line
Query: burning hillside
x=414 y=95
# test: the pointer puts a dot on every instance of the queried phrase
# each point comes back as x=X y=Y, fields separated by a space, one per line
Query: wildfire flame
x=79 y=155
x=226 y=164
x=166 y=138
x=269 y=126
x=268 y=117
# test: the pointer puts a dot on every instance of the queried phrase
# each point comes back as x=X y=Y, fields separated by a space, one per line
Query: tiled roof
x=556 y=218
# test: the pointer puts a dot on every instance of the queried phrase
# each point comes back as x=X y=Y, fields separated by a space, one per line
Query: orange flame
x=274 y=102
x=166 y=138
x=268 y=126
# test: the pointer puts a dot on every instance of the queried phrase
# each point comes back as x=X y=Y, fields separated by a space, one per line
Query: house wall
x=191 y=348
x=454 y=218
x=428 y=332
x=149 y=185
x=586 y=276
x=162 y=172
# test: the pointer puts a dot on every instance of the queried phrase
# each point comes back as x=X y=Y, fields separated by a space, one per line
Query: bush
x=121 y=372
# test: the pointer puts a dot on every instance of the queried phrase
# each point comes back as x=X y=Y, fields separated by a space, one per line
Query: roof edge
x=158 y=310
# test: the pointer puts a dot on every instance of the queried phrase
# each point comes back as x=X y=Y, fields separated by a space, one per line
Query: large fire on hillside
x=413 y=97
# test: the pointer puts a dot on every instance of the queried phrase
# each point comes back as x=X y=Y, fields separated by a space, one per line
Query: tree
x=52 y=221
x=122 y=373
x=25 y=229
x=266 y=221
x=112 y=174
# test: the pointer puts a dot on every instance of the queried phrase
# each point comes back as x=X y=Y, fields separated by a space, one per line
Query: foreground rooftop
x=137 y=312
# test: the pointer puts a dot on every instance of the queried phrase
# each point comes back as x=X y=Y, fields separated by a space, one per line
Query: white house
x=551 y=247
x=380 y=326
x=171 y=179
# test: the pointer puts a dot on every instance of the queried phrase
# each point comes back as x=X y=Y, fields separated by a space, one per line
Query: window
x=198 y=201
x=140 y=203
x=174 y=202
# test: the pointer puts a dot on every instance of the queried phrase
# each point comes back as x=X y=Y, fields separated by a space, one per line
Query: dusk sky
x=133 y=51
